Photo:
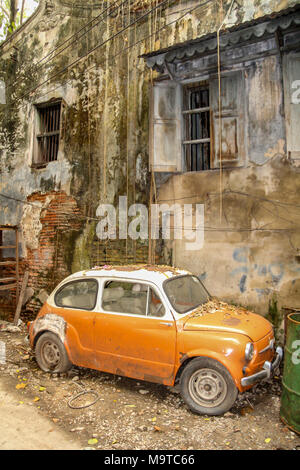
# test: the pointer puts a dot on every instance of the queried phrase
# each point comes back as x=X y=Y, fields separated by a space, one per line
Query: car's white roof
x=143 y=272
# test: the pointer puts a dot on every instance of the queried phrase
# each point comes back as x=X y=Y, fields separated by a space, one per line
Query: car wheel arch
x=189 y=359
x=57 y=350
x=42 y=332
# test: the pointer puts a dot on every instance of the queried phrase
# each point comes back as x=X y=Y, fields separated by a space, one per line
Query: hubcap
x=50 y=354
x=207 y=388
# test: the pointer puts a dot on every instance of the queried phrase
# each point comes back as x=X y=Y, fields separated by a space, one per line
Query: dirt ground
x=128 y=414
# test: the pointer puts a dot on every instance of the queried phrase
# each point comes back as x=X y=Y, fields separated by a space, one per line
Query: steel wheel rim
x=50 y=354
x=207 y=388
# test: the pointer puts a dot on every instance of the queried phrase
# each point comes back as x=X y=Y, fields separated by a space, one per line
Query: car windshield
x=186 y=293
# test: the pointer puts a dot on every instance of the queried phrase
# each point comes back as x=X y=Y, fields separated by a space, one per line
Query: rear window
x=78 y=294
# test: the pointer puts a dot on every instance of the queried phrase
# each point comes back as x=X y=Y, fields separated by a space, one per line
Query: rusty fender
x=53 y=323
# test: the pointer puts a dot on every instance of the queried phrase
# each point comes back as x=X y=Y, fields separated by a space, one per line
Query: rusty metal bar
x=196 y=110
x=17 y=264
x=197 y=141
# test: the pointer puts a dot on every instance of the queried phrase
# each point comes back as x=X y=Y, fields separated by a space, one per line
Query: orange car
x=158 y=324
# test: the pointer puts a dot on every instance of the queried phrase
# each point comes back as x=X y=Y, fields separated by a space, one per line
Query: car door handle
x=163 y=323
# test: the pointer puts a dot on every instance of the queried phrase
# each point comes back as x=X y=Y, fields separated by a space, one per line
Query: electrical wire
x=204 y=228
x=115 y=55
x=75 y=62
x=40 y=65
x=74 y=35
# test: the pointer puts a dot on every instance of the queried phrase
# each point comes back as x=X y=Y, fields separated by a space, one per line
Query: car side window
x=78 y=294
x=156 y=307
x=132 y=298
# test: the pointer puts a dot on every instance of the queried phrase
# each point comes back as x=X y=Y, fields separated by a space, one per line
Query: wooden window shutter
x=291 y=74
x=165 y=127
x=232 y=120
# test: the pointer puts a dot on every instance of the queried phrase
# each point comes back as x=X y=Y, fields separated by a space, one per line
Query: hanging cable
x=105 y=42
x=220 y=105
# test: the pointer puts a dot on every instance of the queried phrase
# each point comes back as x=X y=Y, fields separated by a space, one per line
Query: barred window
x=187 y=130
x=197 y=128
x=47 y=133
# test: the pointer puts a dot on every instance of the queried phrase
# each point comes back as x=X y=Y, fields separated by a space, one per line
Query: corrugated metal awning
x=251 y=30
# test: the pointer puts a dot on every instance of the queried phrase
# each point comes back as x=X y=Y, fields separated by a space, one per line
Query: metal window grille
x=197 y=129
x=48 y=133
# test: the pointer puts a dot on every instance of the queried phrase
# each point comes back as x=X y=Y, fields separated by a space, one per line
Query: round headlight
x=249 y=352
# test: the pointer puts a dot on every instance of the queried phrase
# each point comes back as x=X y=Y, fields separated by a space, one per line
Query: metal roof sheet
x=251 y=30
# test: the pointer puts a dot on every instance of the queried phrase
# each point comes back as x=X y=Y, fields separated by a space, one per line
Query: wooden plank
x=17 y=264
x=7 y=263
x=8 y=227
x=21 y=297
x=8 y=286
x=7 y=279
x=7 y=247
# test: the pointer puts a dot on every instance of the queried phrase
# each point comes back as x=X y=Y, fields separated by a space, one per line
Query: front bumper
x=266 y=372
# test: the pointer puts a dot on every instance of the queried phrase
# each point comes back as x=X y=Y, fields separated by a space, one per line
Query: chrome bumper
x=266 y=372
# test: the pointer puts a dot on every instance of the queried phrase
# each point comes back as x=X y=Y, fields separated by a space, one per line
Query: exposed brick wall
x=48 y=264
x=119 y=252
x=49 y=259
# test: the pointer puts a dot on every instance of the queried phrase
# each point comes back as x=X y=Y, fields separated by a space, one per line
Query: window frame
x=186 y=112
x=234 y=109
x=181 y=314
x=37 y=161
x=76 y=281
x=134 y=281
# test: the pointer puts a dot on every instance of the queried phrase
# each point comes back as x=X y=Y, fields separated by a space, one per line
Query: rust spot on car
x=182 y=357
x=53 y=323
x=159 y=380
x=231 y=321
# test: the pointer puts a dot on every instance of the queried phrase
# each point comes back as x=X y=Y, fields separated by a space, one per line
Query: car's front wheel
x=207 y=387
x=51 y=354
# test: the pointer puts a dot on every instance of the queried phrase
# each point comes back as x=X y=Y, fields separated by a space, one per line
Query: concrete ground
x=24 y=427
x=129 y=414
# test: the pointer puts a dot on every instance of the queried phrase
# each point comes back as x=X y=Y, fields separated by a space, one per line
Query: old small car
x=158 y=324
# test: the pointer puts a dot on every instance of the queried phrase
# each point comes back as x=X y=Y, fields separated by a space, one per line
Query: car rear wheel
x=207 y=387
x=51 y=354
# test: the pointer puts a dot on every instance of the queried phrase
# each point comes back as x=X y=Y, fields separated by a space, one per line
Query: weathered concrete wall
x=104 y=144
x=251 y=253
x=250 y=257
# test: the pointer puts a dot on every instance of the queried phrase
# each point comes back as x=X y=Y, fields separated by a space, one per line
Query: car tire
x=51 y=354
x=207 y=387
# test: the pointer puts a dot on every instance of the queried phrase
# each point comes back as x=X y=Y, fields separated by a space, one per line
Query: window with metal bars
x=48 y=133
x=197 y=128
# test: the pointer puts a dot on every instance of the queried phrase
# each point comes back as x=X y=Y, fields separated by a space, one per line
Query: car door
x=135 y=335
x=75 y=301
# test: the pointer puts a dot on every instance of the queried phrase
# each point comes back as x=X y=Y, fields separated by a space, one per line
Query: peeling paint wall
x=104 y=148
x=251 y=255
